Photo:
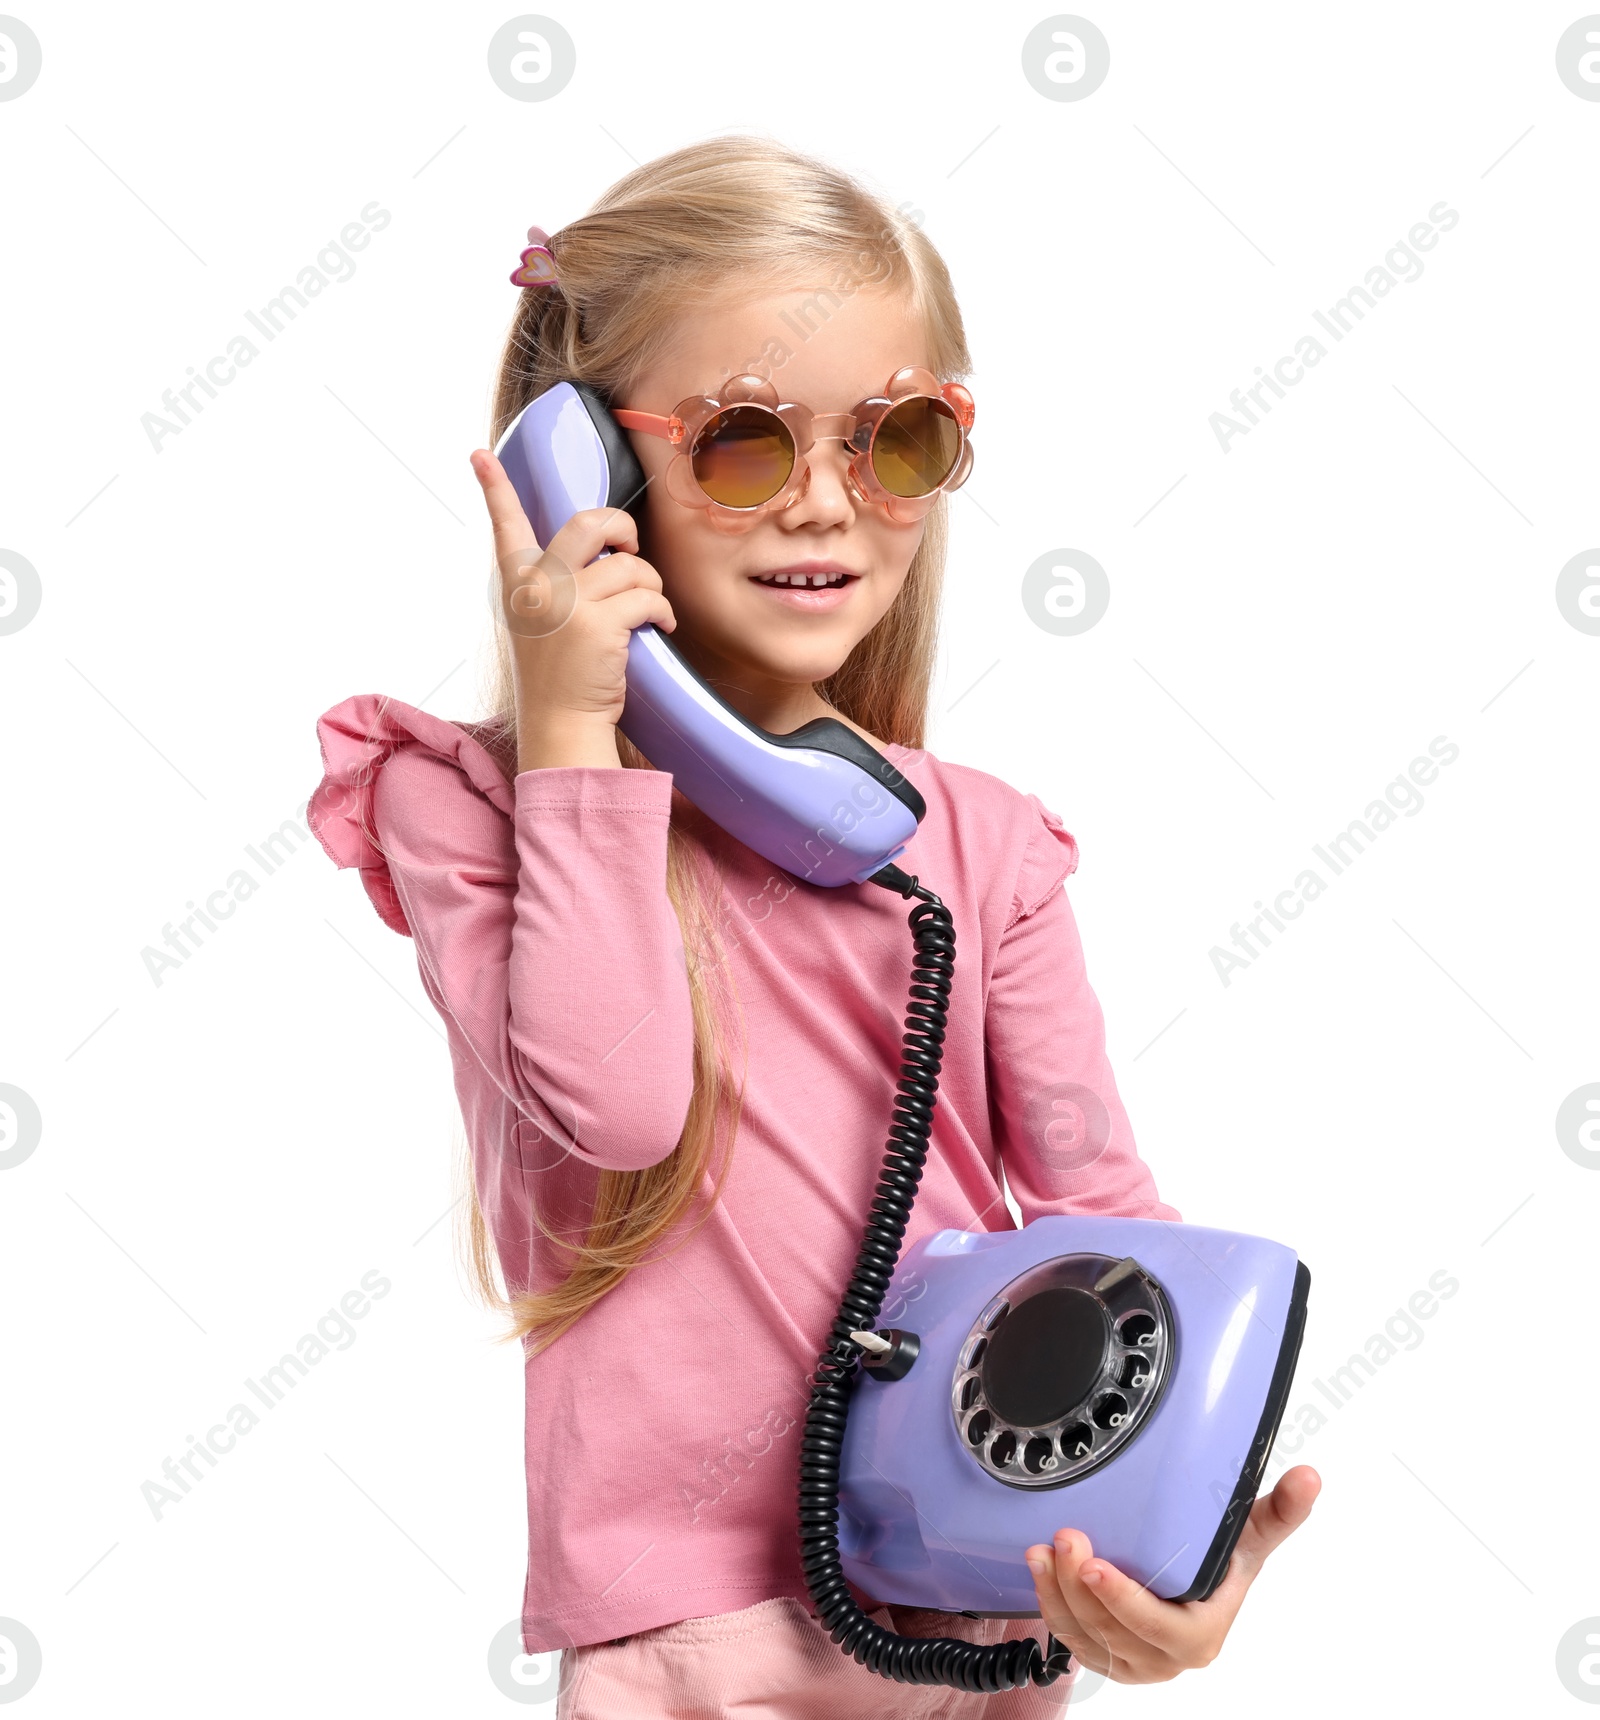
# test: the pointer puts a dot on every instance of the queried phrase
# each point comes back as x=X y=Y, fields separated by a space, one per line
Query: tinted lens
x=915 y=447
x=743 y=456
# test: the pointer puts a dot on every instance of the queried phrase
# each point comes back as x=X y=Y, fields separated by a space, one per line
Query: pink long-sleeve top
x=663 y=1429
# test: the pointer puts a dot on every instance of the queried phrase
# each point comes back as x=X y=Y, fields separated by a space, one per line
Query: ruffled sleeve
x=1050 y=858
x=358 y=737
x=544 y=933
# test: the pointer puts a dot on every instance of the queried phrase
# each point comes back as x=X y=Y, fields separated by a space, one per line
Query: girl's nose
x=824 y=496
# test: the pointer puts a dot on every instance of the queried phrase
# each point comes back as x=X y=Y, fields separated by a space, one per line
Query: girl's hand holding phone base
x=1116 y=1627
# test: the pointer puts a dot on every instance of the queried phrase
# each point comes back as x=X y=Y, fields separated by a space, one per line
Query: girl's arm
x=544 y=931
x=1067 y=1147
x=547 y=941
x=1065 y=1140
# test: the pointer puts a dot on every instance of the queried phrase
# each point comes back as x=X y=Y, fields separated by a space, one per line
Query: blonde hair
x=667 y=236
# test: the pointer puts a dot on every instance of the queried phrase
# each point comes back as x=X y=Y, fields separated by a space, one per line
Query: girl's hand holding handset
x=569 y=618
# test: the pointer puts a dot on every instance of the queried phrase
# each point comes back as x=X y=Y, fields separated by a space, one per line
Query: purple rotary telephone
x=1121 y=1376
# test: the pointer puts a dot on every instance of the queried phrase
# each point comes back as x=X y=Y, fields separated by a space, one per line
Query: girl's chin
x=786 y=664
x=801 y=671
x=773 y=645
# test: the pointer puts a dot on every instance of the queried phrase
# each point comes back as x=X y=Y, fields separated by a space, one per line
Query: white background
x=224 y=1155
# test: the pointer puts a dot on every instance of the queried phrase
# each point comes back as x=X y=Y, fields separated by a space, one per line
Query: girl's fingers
x=1073 y=1552
x=1270 y=1523
x=578 y=542
x=1274 y=1519
x=1166 y=1627
x=617 y=572
x=636 y=606
x=591 y=530
x=511 y=529
x=1087 y=1650
x=1071 y=1611
x=1047 y=1585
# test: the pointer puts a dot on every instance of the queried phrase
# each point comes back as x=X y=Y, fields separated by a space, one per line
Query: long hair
x=669 y=235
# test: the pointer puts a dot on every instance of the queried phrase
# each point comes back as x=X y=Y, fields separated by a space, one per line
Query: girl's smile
x=809 y=587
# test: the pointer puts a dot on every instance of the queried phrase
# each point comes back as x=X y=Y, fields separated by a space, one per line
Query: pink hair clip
x=538 y=268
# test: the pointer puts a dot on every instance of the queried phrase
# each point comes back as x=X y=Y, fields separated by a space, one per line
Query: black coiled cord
x=907 y=1659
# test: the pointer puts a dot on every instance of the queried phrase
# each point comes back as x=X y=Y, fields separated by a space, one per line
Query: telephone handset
x=822 y=803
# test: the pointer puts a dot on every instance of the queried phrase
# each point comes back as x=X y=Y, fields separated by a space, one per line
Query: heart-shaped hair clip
x=538 y=266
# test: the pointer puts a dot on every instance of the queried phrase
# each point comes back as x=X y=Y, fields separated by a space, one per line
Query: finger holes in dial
x=1076 y=1440
x=1138 y=1330
x=1110 y=1410
x=1134 y=1372
x=1039 y=1455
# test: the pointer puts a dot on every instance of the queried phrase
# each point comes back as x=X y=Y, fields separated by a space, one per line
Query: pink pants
x=774 y=1661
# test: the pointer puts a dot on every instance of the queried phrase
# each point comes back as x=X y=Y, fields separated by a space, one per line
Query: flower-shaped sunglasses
x=741 y=452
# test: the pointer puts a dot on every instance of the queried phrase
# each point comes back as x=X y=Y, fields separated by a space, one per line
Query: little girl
x=675 y=1062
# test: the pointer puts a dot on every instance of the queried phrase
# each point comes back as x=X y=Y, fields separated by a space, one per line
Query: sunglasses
x=741 y=452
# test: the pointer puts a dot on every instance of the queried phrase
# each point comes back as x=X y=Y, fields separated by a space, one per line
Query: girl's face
x=761 y=644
